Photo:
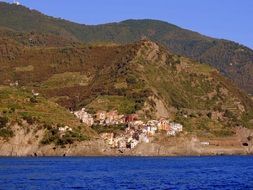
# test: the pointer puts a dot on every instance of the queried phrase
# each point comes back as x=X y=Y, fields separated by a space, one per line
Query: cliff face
x=29 y=144
x=88 y=148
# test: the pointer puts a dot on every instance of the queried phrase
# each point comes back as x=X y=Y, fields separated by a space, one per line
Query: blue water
x=224 y=172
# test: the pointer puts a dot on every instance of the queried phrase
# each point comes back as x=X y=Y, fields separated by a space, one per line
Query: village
x=135 y=131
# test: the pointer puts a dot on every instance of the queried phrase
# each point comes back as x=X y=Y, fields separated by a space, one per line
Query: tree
x=3 y=121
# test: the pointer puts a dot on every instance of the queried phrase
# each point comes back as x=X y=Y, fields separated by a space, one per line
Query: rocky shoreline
x=99 y=148
x=26 y=144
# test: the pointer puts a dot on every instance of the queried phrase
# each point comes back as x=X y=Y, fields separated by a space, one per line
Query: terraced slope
x=142 y=78
x=231 y=59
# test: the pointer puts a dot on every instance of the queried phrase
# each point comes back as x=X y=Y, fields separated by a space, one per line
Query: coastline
x=99 y=149
x=182 y=145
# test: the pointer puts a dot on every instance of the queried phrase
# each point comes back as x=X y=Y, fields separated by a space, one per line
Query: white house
x=175 y=128
x=133 y=143
x=205 y=143
x=84 y=117
x=16 y=2
x=64 y=129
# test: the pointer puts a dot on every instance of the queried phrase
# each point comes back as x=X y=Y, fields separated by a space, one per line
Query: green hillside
x=19 y=107
x=231 y=59
x=115 y=70
x=142 y=78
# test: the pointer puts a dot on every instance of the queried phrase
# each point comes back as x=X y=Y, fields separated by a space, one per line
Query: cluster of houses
x=136 y=131
x=103 y=118
x=84 y=117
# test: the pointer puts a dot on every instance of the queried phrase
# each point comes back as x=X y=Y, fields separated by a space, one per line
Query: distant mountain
x=231 y=59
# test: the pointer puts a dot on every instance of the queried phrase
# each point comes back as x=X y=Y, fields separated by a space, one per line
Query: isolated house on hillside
x=16 y=2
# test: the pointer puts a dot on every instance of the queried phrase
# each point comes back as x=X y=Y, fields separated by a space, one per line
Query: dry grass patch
x=24 y=69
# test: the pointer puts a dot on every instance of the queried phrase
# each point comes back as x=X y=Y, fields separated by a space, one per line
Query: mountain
x=47 y=72
x=39 y=85
x=231 y=59
x=141 y=78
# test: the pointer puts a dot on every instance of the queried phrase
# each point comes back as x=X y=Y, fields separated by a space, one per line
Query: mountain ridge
x=39 y=84
x=49 y=78
x=233 y=60
x=88 y=72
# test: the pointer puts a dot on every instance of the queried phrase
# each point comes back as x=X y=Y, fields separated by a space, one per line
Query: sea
x=56 y=173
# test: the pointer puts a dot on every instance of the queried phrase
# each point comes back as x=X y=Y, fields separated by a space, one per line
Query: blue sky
x=228 y=19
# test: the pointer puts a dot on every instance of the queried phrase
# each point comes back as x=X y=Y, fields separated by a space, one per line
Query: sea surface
x=56 y=173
